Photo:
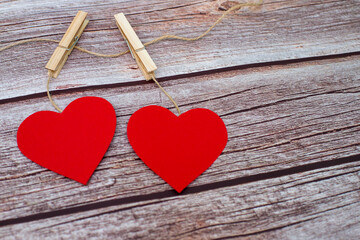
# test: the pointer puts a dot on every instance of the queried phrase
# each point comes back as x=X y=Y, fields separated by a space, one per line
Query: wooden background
x=284 y=77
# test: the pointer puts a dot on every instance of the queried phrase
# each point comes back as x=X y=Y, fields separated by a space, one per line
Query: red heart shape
x=71 y=143
x=178 y=149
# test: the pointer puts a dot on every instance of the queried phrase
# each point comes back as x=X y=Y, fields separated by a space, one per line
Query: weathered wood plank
x=279 y=30
x=319 y=204
x=277 y=117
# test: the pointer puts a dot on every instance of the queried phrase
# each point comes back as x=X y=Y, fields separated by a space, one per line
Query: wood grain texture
x=284 y=77
x=278 y=30
x=277 y=117
x=320 y=204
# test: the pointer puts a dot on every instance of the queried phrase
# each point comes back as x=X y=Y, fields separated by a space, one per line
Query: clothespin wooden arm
x=67 y=44
x=137 y=49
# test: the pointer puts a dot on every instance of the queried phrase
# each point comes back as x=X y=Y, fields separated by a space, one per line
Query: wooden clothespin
x=137 y=49
x=67 y=44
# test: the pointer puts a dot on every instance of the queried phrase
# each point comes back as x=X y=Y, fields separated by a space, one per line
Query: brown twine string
x=164 y=37
x=49 y=95
x=168 y=95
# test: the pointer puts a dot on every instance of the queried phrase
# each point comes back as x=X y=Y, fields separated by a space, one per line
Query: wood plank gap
x=187 y=191
x=180 y=76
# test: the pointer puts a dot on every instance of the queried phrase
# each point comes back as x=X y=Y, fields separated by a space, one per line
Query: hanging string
x=230 y=10
x=49 y=95
x=164 y=37
x=168 y=95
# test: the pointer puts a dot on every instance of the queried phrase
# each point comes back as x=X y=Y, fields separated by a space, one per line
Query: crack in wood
x=190 y=190
x=180 y=76
x=278 y=102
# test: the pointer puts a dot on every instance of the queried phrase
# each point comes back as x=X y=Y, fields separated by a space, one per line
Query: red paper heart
x=178 y=149
x=71 y=143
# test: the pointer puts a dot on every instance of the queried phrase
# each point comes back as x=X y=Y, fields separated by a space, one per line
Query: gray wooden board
x=290 y=169
x=278 y=30
x=319 y=204
x=277 y=117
